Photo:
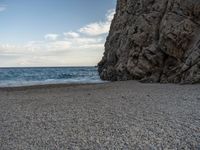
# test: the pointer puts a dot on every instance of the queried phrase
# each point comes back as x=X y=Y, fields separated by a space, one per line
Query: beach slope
x=118 y=115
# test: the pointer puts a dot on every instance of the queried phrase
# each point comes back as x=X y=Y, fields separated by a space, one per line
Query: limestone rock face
x=153 y=41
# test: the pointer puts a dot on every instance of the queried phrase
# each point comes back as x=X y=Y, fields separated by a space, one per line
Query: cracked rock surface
x=153 y=41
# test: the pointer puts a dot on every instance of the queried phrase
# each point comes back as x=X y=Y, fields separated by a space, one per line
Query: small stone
x=123 y=97
x=185 y=99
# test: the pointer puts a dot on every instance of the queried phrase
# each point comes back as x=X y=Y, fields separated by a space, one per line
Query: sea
x=16 y=77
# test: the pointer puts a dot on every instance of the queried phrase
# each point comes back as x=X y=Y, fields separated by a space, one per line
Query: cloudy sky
x=53 y=32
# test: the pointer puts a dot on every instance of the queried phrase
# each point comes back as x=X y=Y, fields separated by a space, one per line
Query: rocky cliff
x=153 y=41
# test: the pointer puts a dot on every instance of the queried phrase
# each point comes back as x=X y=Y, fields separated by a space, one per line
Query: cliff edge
x=153 y=41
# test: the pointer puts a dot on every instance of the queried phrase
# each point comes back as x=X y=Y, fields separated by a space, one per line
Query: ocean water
x=14 y=77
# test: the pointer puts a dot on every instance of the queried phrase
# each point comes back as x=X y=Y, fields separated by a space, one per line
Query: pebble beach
x=116 y=115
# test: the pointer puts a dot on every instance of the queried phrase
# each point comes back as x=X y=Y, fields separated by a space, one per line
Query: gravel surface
x=119 y=115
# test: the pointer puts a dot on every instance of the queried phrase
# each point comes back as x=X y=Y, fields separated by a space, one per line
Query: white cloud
x=110 y=14
x=51 y=37
x=84 y=40
x=72 y=34
x=98 y=28
x=73 y=48
x=46 y=47
x=3 y=8
x=95 y=29
x=71 y=52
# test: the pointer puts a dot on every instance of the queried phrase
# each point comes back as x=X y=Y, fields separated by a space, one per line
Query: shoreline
x=56 y=85
x=64 y=85
x=79 y=85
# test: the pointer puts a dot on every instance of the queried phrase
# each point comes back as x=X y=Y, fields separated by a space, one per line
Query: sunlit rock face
x=153 y=41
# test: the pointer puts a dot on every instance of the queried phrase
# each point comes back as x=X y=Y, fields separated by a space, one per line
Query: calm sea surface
x=12 y=77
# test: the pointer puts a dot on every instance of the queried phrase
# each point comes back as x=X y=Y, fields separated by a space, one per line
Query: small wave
x=46 y=82
x=65 y=76
x=39 y=76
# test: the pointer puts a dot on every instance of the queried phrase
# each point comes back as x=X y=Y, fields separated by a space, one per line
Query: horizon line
x=48 y=67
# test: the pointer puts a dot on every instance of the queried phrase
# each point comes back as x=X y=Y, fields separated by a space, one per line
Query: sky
x=53 y=32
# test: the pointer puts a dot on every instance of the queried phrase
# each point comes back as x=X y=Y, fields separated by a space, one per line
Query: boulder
x=153 y=41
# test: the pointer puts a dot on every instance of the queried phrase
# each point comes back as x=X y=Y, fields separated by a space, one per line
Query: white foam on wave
x=16 y=77
x=46 y=82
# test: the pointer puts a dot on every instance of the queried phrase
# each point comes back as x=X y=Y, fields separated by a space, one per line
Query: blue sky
x=53 y=32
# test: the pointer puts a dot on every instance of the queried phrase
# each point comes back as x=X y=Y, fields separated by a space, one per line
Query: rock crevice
x=153 y=41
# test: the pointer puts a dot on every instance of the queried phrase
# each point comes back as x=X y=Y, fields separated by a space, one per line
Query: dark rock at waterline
x=153 y=41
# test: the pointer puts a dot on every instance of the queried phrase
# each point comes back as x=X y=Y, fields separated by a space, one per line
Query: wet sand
x=118 y=115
